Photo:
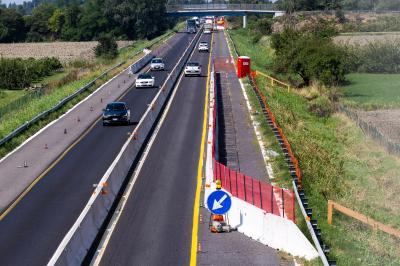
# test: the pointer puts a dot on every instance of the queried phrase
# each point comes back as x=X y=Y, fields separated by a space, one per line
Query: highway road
x=32 y=231
x=155 y=227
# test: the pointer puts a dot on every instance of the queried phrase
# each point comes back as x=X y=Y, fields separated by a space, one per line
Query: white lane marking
x=114 y=220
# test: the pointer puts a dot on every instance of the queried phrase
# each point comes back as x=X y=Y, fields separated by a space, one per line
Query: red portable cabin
x=243 y=66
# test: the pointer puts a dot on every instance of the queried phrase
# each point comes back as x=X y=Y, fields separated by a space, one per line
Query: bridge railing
x=211 y=6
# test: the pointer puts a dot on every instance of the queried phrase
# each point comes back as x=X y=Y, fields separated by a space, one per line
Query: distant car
x=207 y=31
x=192 y=69
x=145 y=80
x=203 y=47
x=116 y=113
x=157 y=64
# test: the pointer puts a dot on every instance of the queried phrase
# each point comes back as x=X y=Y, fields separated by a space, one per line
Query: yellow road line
x=193 y=252
x=37 y=179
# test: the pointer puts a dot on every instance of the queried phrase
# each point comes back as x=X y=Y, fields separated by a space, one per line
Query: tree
x=107 y=47
x=93 y=21
x=137 y=18
x=12 y=26
x=38 y=22
x=310 y=56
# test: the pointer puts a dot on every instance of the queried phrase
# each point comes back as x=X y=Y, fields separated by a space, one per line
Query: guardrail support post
x=330 y=211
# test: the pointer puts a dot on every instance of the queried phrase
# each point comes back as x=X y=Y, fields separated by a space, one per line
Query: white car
x=207 y=31
x=203 y=47
x=192 y=69
x=145 y=80
x=157 y=64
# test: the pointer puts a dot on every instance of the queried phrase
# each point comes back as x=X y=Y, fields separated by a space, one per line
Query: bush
x=107 y=47
x=309 y=55
x=20 y=73
x=321 y=106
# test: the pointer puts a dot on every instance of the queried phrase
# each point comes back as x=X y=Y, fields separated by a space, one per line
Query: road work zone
x=264 y=229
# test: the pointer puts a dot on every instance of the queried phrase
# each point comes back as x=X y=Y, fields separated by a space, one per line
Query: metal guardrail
x=211 y=6
x=135 y=67
x=76 y=243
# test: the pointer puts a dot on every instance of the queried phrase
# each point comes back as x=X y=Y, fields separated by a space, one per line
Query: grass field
x=339 y=163
x=7 y=96
x=372 y=91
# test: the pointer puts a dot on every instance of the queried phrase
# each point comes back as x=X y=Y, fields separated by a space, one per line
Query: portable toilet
x=243 y=66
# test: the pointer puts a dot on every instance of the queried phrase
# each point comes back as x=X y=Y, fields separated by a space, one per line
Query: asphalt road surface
x=155 y=228
x=32 y=231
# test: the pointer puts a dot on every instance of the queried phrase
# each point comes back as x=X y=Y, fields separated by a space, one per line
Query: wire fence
x=371 y=130
x=20 y=102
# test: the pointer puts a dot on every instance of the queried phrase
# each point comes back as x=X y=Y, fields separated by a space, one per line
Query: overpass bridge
x=187 y=9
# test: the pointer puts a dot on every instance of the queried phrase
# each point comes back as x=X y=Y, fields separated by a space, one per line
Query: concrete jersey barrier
x=78 y=240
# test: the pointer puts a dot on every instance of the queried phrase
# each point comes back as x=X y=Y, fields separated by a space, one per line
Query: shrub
x=376 y=57
x=107 y=47
x=19 y=73
x=321 y=106
x=309 y=55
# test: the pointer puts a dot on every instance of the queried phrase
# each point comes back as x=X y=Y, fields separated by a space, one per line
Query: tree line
x=310 y=5
x=76 y=21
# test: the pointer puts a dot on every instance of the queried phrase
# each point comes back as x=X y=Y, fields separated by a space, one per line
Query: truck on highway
x=208 y=25
x=191 y=26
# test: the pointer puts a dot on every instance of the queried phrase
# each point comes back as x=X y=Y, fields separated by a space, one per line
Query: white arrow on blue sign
x=219 y=202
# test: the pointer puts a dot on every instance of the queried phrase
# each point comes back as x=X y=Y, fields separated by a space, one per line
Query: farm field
x=363 y=38
x=65 y=51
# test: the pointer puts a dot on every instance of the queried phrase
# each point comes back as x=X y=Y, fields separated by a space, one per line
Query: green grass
x=372 y=91
x=7 y=96
x=340 y=163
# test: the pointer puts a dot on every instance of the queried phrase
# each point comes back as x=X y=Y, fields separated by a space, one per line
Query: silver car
x=192 y=69
x=145 y=80
x=157 y=64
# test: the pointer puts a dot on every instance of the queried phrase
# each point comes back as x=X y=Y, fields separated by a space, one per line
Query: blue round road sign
x=219 y=202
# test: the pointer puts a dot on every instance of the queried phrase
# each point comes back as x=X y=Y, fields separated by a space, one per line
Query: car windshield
x=203 y=44
x=192 y=64
x=144 y=76
x=115 y=107
x=157 y=60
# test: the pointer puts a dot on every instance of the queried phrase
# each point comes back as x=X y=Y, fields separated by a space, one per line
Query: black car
x=115 y=113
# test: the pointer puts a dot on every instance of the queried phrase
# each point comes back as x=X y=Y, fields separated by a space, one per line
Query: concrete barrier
x=266 y=228
x=79 y=239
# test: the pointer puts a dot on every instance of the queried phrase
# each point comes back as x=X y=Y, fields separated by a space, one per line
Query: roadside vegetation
x=83 y=20
x=338 y=161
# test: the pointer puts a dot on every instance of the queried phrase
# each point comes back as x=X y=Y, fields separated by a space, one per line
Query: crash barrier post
x=80 y=237
x=360 y=217
x=295 y=173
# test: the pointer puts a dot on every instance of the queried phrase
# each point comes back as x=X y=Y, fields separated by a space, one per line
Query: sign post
x=219 y=202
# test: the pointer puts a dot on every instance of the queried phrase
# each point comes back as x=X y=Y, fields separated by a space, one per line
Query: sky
x=12 y=1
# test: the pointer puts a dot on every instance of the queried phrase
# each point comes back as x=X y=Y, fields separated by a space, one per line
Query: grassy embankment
x=340 y=163
x=12 y=120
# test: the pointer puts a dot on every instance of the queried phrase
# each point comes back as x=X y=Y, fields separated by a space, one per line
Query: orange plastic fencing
x=276 y=125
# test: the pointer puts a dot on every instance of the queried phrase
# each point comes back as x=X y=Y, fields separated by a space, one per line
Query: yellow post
x=330 y=211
